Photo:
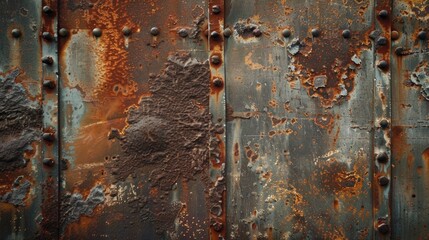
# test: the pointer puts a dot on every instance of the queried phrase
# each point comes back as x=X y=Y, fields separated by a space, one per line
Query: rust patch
x=49 y=224
x=420 y=77
x=20 y=123
x=335 y=177
x=18 y=193
x=325 y=120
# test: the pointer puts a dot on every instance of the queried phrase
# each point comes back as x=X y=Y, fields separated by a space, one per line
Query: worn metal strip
x=381 y=186
x=217 y=109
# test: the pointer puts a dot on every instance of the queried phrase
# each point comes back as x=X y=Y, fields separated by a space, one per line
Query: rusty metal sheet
x=410 y=119
x=300 y=108
x=135 y=86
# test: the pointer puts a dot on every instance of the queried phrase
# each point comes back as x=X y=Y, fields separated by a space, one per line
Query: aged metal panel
x=300 y=117
x=135 y=86
x=410 y=119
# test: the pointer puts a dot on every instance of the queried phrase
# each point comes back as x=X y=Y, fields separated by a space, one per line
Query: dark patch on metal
x=18 y=194
x=49 y=225
x=20 y=123
x=79 y=4
x=73 y=206
x=245 y=29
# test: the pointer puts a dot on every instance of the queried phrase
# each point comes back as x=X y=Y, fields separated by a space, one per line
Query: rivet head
x=215 y=59
x=63 y=32
x=383 y=181
x=49 y=137
x=381 y=41
x=154 y=31
x=216 y=9
x=47 y=36
x=126 y=31
x=48 y=162
x=96 y=32
x=286 y=33
x=183 y=33
x=50 y=84
x=227 y=32
x=47 y=10
x=217 y=82
x=315 y=32
x=347 y=33
x=383 y=65
x=383 y=228
x=47 y=60
x=399 y=51
x=214 y=34
x=422 y=35
x=382 y=157
x=257 y=32
x=394 y=35
x=383 y=14
x=384 y=124
x=16 y=33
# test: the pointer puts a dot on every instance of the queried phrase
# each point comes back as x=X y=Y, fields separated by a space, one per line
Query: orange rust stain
x=325 y=120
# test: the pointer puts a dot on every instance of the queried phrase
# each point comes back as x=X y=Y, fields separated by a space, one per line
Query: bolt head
x=183 y=33
x=48 y=162
x=382 y=157
x=63 y=32
x=381 y=41
x=347 y=33
x=217 y=82
x=47 y=36
x=422 y=35
x=286 y=33
x=383 y=65
x=16 y=33
x=154 y=31
x=383 y=228
x=47 y=10
x=394 y=35
x=47 y=60
x=399 y=51
x=49 y=137
x=215 y=59
x=383 y=14
x=126 y=31
x=383 y=181
x=214 y=34
x=227 y=32
x=96 y=32
x=257 y=32
x=315 y=32
x=216 y=9
x=49 y=84
x=384 y=124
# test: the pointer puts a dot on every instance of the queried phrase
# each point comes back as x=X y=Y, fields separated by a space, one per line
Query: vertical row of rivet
x=50 y=145
x=217 y=109
x=382 y=118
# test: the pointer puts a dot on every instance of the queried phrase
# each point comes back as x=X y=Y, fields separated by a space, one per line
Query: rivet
x=383 y=181
x=47 y=36
x=381 y=41
x=257 y=32
x=227 y=32
x=383 y=14
x=422 y=35
x=384 y=124
x=216 y=9
x=96 y=32
x=346 y=33
x=16 y=33
x=217 y=82
x=154 y=31
x=50 y=84
x=399 y=51
x=382 y=157
x=183 y=33
x=47 y=60
x=49 y=137
x=286 y=33
x=315 y=32
x=214 y=34
x=383 y=65
x=215 y=59
x=126 y=31
x=47 y=10
x=48 y=162
x=394 y=35
x=383 y=228
x=63 y=32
